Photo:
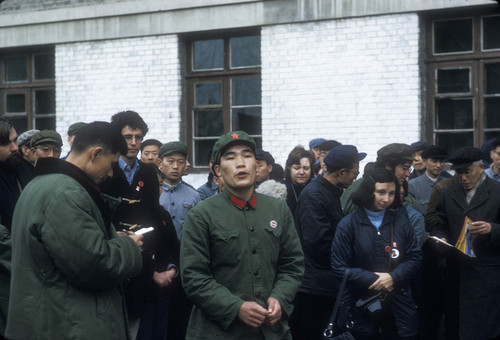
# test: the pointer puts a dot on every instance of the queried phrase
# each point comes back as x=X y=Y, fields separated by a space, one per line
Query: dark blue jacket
x=359 y=246
x=318 y=213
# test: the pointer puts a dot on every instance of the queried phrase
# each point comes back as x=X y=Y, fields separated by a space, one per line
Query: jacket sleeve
x=439 y=225
x=214 y=299
x=79 y=248
x=290 y=267
x=343 y=253
x=418 y=224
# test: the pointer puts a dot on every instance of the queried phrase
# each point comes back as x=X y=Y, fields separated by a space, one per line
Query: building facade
x=362 y=72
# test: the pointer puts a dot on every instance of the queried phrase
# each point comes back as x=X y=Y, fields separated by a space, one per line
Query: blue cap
x=343 y=156
x=316 y=142
x=262 y=155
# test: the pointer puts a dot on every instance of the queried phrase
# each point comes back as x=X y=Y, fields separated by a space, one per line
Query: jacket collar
x=481 y=195
x=327 y=184
x=238 y=202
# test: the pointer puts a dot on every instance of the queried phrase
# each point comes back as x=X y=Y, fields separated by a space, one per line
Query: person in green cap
x=72 y=131
x=46 y=143
x=241 y=259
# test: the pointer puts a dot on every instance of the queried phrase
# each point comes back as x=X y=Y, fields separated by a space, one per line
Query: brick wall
x=353 y=80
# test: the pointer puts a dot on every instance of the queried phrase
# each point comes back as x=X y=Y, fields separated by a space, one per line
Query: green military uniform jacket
x=5 y=250
x=67 y=262
x=234 y=251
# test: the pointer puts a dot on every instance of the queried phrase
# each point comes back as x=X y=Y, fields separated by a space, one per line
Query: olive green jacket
x=67 y=262
x=234 y=251
x=5 y=250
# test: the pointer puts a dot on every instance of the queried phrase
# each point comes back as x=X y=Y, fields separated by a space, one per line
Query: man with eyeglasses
x=472 y=294
x=136 y=185
x=318 y=212
x=46 y=143
x=395 y=157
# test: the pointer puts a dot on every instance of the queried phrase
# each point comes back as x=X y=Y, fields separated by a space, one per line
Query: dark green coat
x=234 y=251
x=5 y=250
x=67 y=262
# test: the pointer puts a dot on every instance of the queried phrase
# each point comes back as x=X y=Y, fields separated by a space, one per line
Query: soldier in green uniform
x=241 y=259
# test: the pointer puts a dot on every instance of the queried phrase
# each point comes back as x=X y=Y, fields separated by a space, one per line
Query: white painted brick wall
x=353 y=80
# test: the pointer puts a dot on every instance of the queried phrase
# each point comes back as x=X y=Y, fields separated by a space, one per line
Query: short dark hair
x=391 y=161
x=149 y=142
x=295 y=156
x=5 y=127
x=100 y=133
x=365 y=196
x=130 y=118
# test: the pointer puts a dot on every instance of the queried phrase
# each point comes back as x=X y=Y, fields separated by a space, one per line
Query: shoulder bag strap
x=328 y=333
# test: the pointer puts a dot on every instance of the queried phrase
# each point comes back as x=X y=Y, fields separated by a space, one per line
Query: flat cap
x=262 y=155
x=230 y=139
x=401 y=150
x=75 y=127
x=343 y=156
x=313 y=143
x=171 y=147
x=25 y=137
x=46 y=136
x=464 y=157
x=434 y=152
x=418 y=146
x=327 y=145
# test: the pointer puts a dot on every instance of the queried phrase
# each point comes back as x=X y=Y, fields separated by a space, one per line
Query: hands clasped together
x=255 y=315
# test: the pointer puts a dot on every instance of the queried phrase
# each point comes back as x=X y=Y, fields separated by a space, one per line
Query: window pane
x=454 y=114
x=248 y=120
x=20 y=123
x=45 y=102
x=454 y=141
x=492 y=73
x=258 y=142
x=208 y=123
x=45 y=123
x=246 y=91
x=208 y=93
x=201 y=150
x=492 y=113
x=16 y=68
x=491 y=134
x=15 y=103
x=44 y=66
x=491 y=36
x=453 y=36
x=245 y=51
x=208 y=54
x=453 y=81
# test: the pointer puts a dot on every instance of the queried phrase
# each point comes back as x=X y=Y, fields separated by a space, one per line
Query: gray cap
x=25 y=137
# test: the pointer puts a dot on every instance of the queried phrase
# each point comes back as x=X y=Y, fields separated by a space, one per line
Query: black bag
x=371 y=304
x=330 y=329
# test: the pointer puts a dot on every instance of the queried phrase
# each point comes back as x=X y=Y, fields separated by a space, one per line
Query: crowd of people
x=111 y=242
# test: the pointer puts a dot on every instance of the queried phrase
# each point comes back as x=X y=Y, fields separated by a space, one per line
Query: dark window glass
x=208 y=54
x=246 y=91
x=45 y=102
x=454 y=114
x=491 y=33
x=247 y=119
x=452 y=141
x=15 y=103
x=44 y=66
x=492 y=74
x=245 y=51
x=201 y=150
x=208 y=93
x=491 y=134
x=16 y=68
x=20 y=124
x=453 y=36
x=492 y=113
x=453 y=81
x=45 y=123
x=208 y=123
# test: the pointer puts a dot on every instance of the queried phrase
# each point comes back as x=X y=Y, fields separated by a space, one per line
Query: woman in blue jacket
x=377 y=243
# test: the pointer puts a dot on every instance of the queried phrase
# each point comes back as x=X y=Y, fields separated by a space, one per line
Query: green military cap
x=229 y=139
x=171 y=147
x=75 y=127
x=46 y=136
x=403 y=151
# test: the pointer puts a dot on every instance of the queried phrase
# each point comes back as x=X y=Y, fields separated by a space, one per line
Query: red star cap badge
x=235 y=135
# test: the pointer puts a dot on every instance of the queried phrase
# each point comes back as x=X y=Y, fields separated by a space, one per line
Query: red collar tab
x=241 y=204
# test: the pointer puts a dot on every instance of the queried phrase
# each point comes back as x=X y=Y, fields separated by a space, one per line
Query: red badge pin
x=394 y=245
x=387 y=249
x=141 y=183
x=273 y=224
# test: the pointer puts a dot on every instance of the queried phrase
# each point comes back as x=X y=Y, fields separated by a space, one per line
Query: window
x=463 y=80
x=27 y=88
x=223 y=82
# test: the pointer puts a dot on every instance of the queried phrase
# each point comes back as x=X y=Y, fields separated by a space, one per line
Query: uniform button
x=254 y=251
x=258 y=295
x=251 y=229
x=173 y=217
x=255 y=273
x=172 y=203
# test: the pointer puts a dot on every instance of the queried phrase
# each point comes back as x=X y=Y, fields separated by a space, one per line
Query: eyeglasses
x=138 y=138
x=48 y=149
